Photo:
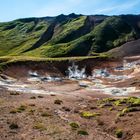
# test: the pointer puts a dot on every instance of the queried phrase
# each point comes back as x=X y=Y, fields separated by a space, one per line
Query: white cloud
x=54 y=9
x=117 y=8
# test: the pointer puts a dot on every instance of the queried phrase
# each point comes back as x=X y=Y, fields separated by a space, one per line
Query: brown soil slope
x=128 y=49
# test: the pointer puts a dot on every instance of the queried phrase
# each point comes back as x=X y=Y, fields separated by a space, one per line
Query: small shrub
x=53 y=95
x=93 y=107
x=127 y=110
x=105 y=105
x=119 y=133
x=134 y=101
x=101 y=106
x=59 y=102
x=31 y=104
x=31 y=111
x=108 y=100
x=131 y=101
x=33 y=97
x=118 y=103
x=39 y=126
x=82 y=132
x=74 y=125
x=120 y=114
x=89 y=115
x=14 y=111
x=100 y=122
x=13 y=126
x=14 y=93
x=111 y=108
x=66 y=109
x=40 y=96
x=45 y=114
x=21 y=108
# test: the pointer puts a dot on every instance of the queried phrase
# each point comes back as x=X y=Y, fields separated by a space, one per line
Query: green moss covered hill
x=71 y=35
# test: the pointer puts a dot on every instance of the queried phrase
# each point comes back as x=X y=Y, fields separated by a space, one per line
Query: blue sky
x=13 y=9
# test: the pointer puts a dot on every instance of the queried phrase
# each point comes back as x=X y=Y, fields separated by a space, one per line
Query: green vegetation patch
x=130 y=101
x=128 y=110
x=40 y=126
x=20 y=109
x=119 y=133
x=82 y=132
x=74 y=125
x=89 y=115
x=46 y=114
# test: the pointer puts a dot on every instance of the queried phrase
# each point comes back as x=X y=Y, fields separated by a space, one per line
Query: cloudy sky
x=13 y=9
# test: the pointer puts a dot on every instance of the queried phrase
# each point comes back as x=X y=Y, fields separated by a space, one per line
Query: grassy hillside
x=64 y=36
x=17 y=36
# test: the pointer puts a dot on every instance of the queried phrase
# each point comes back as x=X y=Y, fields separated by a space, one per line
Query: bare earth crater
x=93 y=100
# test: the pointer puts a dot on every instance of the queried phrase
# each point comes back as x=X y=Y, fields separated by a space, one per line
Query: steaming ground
x=105 y=81
x=40 y=106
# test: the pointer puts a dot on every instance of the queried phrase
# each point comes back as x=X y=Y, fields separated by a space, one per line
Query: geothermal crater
x=109 y=78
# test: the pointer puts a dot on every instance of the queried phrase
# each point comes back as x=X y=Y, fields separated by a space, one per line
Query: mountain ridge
x=67 y=35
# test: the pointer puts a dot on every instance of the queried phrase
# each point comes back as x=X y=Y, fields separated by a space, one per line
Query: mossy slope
x=64 y=36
